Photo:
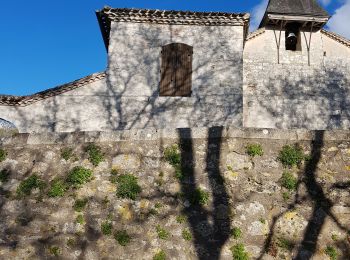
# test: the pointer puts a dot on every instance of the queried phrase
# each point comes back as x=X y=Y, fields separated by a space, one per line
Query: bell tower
x=294 y=17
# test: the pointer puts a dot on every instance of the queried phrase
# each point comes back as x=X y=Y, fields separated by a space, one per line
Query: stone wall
x=246 y=194
x=293 y=94
x=134 y=73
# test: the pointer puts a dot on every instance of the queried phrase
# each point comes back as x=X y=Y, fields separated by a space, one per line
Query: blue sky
x=47 y=43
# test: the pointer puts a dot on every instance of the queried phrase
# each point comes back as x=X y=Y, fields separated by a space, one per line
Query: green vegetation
x=4 y=175
x=79 y=205
x=291 y=156
x=78 y=176
x=106 y=228
x=172 y=155
x=127 y=186
x=335 y=237
x=95 y=154
x=236 y=233
x=285 y=244
x=254 y=150
x=238 y=252
x=55 y=250
x=58 y=188
x=80 y=219
x=262 y=220
x=331 y=252
x=3 y=155
x=67 y=153
x=122 y=237
x=181 y=219
x=200 y=197
x=160 y=255
x=114 y=175
x=178 y=173
x=27 y=185
x=162 y=233
x=289 y=181
x=285 y=196
x=158 y=205
x=186 y=234
x=71 y=242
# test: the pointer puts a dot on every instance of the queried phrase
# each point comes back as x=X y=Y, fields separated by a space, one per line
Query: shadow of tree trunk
x=210 y=228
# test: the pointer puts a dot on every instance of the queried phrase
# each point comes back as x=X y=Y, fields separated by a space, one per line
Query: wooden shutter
x=176 y=70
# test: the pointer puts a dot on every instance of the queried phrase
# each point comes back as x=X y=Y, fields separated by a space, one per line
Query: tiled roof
x=256 y=33
x=296 y=7
x=336 y=37
x=7 y=100
x=107 y=14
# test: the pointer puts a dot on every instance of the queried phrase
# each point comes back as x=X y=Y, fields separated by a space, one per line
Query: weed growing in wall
x=127 y=186
x=291 y=156
x=66 y=153
x=162 y=233
x=254 y=150
x=106 y=228
x=26 y=186
x=172 y=155
x=80 y=219
x=160 y=255
x=80 y=204
x=55 y=250
x=122 y=237
x=285 y=244
x=236 y=233
x=289 y=181
x=285 y=196
x=95 y=154
x=113 y=175
x=78 y=176
x=331 y=252
x=238 y=252
x=58 y=188
x=3 y=155
x=200 y=197
x=186 y=234
x=181 y=219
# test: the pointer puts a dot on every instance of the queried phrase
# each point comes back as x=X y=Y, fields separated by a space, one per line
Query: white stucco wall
x=293 y=94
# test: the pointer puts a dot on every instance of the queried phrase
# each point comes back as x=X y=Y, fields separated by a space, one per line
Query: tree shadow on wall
x=210 y=228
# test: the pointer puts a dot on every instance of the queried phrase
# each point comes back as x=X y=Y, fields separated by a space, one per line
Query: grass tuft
x=331 y=252
x=122 y=237
x=254 y=150
x=80 y=204
x=106 y=228
x=27 y=185
x=58 y=188
x=236 y=233
x=291 y=156
x=200 y=197
x=95 y=154
x=160 y=255
x=162 y=233
x=3 y=155
x=55 y=250
x=186 y=234
x=66 y=153
x=289 y=181
x=127 y=186
x=238 y=252
x=79 y=176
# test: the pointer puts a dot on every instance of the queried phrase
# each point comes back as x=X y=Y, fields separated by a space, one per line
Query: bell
x=292 y=39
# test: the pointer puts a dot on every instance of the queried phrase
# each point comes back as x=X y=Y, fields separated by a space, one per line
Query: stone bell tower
x=297 y=19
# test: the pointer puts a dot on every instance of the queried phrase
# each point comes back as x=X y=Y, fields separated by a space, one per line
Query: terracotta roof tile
x=7 y=100
x=337 y=37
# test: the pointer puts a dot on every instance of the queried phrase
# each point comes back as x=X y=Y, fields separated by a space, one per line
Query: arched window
x=176 y=70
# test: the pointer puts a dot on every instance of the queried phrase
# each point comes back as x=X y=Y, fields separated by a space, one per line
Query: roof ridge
x=10 y=100
x=255 y=33
x=337 y=37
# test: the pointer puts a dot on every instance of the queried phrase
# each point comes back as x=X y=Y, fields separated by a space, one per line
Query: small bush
x=106 y=228
x=285 y=244
x=254 y=150
x=79 y=205
x=95 y=154
x=289 y=181
x=80 y=219
x=26 y=186
x=186 y=234
x=236 y=233
x=3 y=155
x=78 y=176
x=181 y=219
x=4 y=175
x=58 y=188
x=162 y=233
x=127 y=186
x=285 y=196
x=160 y=255
x=200 y=197
x=67 y=153
x=122 y=237
x=238 y=252
x=172 y=155
x=55 y=250
x=291 y=155
x=331 y=252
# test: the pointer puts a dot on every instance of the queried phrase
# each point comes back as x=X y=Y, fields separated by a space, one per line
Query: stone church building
x=172 y=69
